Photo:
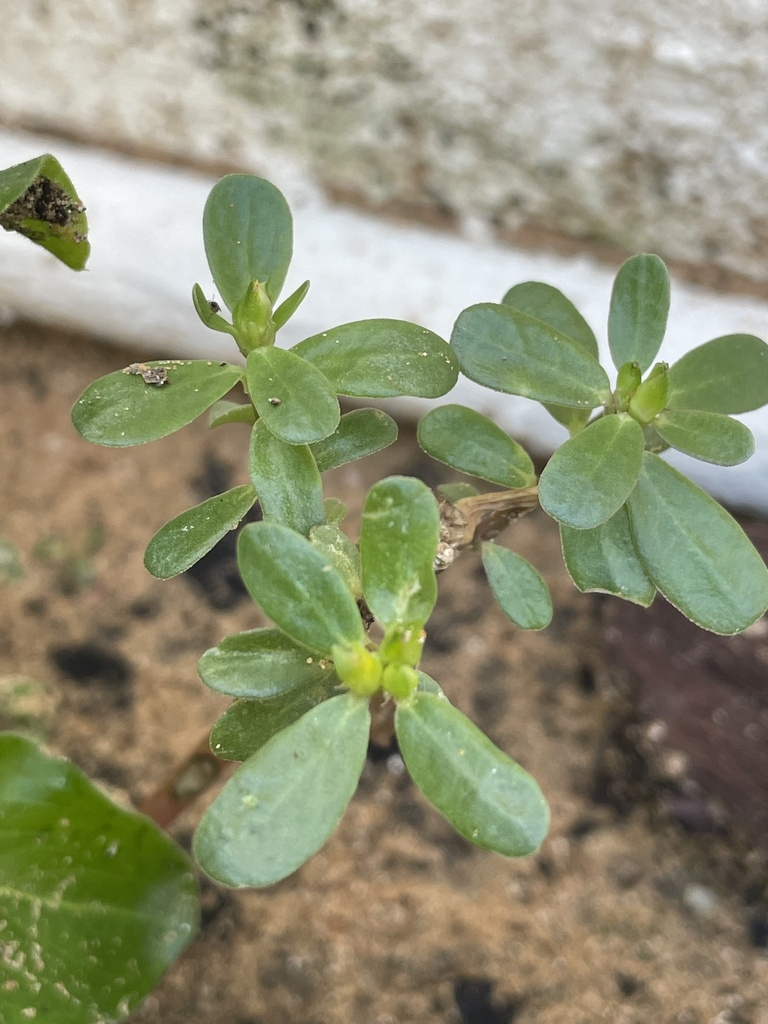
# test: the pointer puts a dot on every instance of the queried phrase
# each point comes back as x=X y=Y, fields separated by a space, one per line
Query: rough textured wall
x=641 y=125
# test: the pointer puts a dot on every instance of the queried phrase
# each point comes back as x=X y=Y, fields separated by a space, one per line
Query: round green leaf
x=38 y=200
x=282 y=805
x=382 y=359
x=287 y=481
x=728 y=375
x=709 y=436
x=295 y=401
x=185 y=539
x=590 y=477
x=77 y=874
x=604 y=559
x=637 y=320
x=695 y=553
x=518 y=587
x=121 y=409
x=260 y=663
x=247 y=724
x=473 y=444
x=248 y=234
x=298 y=588
x=487 y=797
x=398 y=544
x=359 y=433
x=508 y=350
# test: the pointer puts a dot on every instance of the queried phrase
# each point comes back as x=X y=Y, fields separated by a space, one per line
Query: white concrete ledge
x=147 y=253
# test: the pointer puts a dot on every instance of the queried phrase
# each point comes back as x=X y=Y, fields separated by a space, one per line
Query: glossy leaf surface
x=473 y=444
x=121 y=410
x=260 y=663
x=637 y=320
x=518 y=587
x=398 y=544
x=75 y=873
x=728 y=375
x=39 y=201
x=248 y=234
x=382 y=359
x=295 y=401
x=287 y=481
x=359 y=433
x=508 y=350
x=590 y=477
x=709 y=436
x=186 y=538
x=696 y=554
x=605 y=560
x=487 y=797
x=283 y=804
x=298 y=588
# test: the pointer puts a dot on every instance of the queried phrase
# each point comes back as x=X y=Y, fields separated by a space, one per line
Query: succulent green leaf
x=510 y=351
x=709 y=436
x=247 y=724
x=343 y=555
x=121 y=409
x=298 y=588
x=286 y=479
x=727 y=375
x=637 y=320
x=382 y=359
x=604 y=559
x=208 y=314
x=230 y=412
x=591 y=475
x=261 y=663
x=428 y=685
x=359 y=433
x=186 y=538
x=473 y=444
x=38 y=200
x=335 y=511
x=551 y=307
x=487 y=797
x=75 y=873
x=518 y=587
x=295 y=401
x=696 y=554
x=286 y=309
x=248 y=234
x=282 y=805
x=398 y=544
x=651 y=396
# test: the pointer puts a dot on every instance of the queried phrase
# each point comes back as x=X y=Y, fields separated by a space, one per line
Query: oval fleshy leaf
x=590 y=477
x=549 y=305
x=398 y=544
x=343 y=555
x=206 y=310
x=518 y=587
x=38 y=200
x=637 y=320
x=382 y=359
x=282 y=805
x=230 y=412
x=727 y=375
x=696 y=554
x=295 y=401
x=508 y=350
x=186 y=538
x=121 y=409
x=260 y=663
x=473 y=444
x=709 y=436
x=298 y=588
x=287 y=481
x=359 y=433
x=76 y=872
x=605 y=560
x=247 y=724
x=248 y=234
x=487 y=797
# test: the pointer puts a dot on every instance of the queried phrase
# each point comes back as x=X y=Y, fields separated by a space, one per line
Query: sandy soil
x=623 y=916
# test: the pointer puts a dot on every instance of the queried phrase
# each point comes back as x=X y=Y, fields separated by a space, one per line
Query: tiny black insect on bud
x=215 y=307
